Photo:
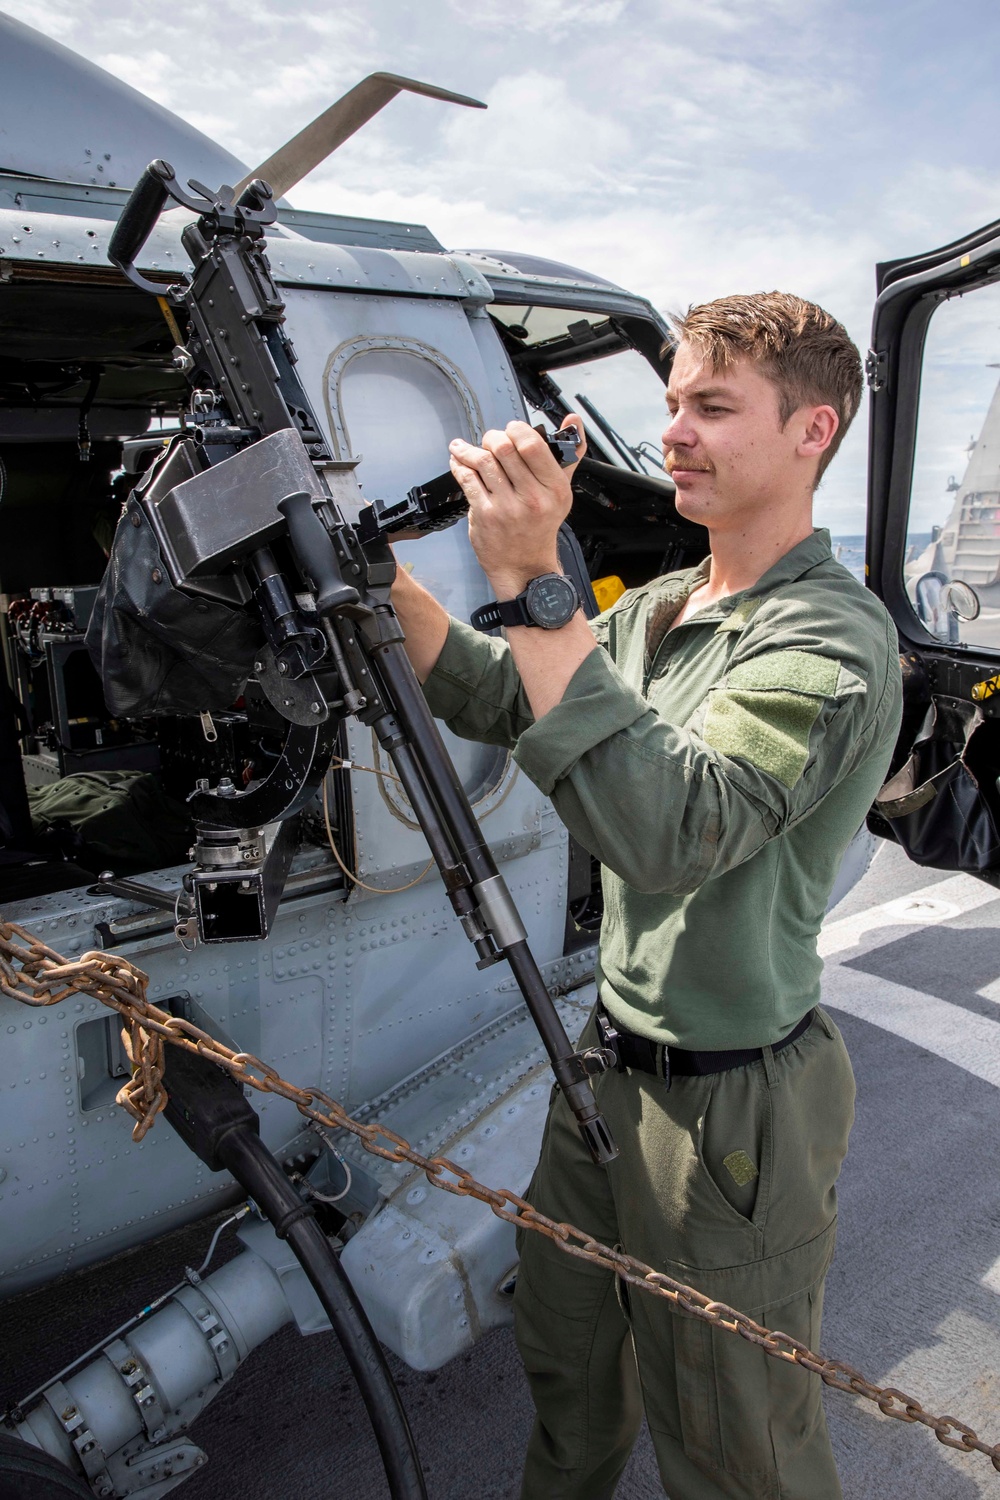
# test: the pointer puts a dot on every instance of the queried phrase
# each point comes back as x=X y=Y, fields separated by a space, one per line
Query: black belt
x=665 y=1062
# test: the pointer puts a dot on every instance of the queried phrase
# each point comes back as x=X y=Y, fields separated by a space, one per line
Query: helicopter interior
x=87 y=368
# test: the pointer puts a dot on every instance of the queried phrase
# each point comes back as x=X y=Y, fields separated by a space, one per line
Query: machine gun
x=240 y=523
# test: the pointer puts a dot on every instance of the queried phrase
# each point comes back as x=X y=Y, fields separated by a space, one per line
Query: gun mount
x=235 y=559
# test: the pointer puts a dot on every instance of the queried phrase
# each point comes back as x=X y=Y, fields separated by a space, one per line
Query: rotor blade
x=317 y=141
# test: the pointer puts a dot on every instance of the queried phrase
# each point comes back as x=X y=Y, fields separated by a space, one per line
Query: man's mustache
x=674 y=460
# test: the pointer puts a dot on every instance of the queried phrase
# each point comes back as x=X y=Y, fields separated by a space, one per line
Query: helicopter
x=350 y=974
x=357 y=971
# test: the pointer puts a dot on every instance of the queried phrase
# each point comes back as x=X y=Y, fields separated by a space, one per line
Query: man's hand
x=518 y=498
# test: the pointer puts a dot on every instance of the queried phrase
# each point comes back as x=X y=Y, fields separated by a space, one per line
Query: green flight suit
x=718 y=771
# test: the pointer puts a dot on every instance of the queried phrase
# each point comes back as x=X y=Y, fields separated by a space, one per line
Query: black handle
x=315 y=555
x=139 y=216
x=441 y=502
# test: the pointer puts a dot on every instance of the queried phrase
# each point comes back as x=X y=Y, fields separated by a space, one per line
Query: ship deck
x=913 y=1299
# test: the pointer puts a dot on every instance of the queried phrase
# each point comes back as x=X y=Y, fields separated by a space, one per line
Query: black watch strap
x=508 y=612
x=549 y=601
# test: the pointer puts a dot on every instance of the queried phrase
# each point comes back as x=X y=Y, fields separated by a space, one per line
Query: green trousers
x=726 y=1182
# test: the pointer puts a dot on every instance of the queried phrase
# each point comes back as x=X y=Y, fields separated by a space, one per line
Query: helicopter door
x=934 y=544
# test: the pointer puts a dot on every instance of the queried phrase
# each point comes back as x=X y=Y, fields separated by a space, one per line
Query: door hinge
x=875 y=369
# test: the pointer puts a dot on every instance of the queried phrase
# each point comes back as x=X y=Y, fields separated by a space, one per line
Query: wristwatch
x=550 y=600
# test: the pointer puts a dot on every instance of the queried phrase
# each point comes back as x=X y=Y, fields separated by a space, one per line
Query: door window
x=951 y=567
x=396 y=404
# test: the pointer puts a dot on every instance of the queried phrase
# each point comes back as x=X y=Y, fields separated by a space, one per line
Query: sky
x=682 y=148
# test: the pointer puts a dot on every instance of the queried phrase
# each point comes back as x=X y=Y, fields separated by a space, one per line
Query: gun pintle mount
x=244 y=508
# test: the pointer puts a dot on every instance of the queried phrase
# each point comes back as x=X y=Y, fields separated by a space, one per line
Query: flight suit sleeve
x=476 y=688
x=668 y=806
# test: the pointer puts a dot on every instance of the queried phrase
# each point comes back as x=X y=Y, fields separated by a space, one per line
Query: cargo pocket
x=722 y=1400
x=577 y=1356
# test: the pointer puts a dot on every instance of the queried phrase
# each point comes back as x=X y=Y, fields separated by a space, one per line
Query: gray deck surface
x=913 y=1298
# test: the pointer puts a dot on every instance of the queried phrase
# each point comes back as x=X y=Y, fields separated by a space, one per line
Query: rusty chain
x=35 y=974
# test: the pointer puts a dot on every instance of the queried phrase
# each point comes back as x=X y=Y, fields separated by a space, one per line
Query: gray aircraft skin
x=373 y=997
x=365 y=987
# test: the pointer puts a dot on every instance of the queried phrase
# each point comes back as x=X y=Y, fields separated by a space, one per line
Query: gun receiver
x=440 y=502
x=246 y=508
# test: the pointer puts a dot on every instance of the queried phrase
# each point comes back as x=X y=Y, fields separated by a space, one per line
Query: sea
x=850 y=550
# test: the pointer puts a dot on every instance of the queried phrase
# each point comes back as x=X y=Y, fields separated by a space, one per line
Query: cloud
x=927 y=204
x=637 y=16
x=684 y=148
x=244 y=74
x=578 y=148
x=539 y=15
x=48 y=16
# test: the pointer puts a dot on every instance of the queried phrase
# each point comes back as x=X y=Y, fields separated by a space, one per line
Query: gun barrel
x=446 y=810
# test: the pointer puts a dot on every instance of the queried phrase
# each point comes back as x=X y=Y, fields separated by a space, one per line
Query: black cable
x=248 y=1160
x=208 y=1110
x=94 y=373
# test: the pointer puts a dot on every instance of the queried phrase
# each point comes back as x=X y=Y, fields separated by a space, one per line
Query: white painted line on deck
x=958 y=1035
x=924 y=908
x=991 y=1278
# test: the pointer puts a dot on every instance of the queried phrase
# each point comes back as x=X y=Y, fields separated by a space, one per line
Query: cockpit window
x=623 y=404
x=561 y=335
x=951 y=567
x=570 y=360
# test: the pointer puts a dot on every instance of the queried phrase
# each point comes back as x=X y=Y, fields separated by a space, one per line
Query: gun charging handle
x=138 y=220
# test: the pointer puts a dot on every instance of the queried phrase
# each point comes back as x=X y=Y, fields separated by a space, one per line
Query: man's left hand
x=518 y=498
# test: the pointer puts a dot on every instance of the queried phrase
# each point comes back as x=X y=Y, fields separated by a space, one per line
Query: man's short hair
x=804 y=351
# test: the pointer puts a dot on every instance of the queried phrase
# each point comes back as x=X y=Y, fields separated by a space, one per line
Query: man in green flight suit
x=715 y=739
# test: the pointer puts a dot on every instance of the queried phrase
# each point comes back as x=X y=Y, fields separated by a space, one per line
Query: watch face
x=552 y=600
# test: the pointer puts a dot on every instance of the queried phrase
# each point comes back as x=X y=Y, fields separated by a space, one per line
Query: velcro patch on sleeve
x=796 y=671
x=769 y=728
x=765 y=707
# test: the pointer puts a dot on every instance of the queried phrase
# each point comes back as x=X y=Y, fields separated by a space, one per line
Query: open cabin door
x=934 y=545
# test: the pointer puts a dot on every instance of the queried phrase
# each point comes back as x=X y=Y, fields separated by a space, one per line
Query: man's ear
x=818 y=428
